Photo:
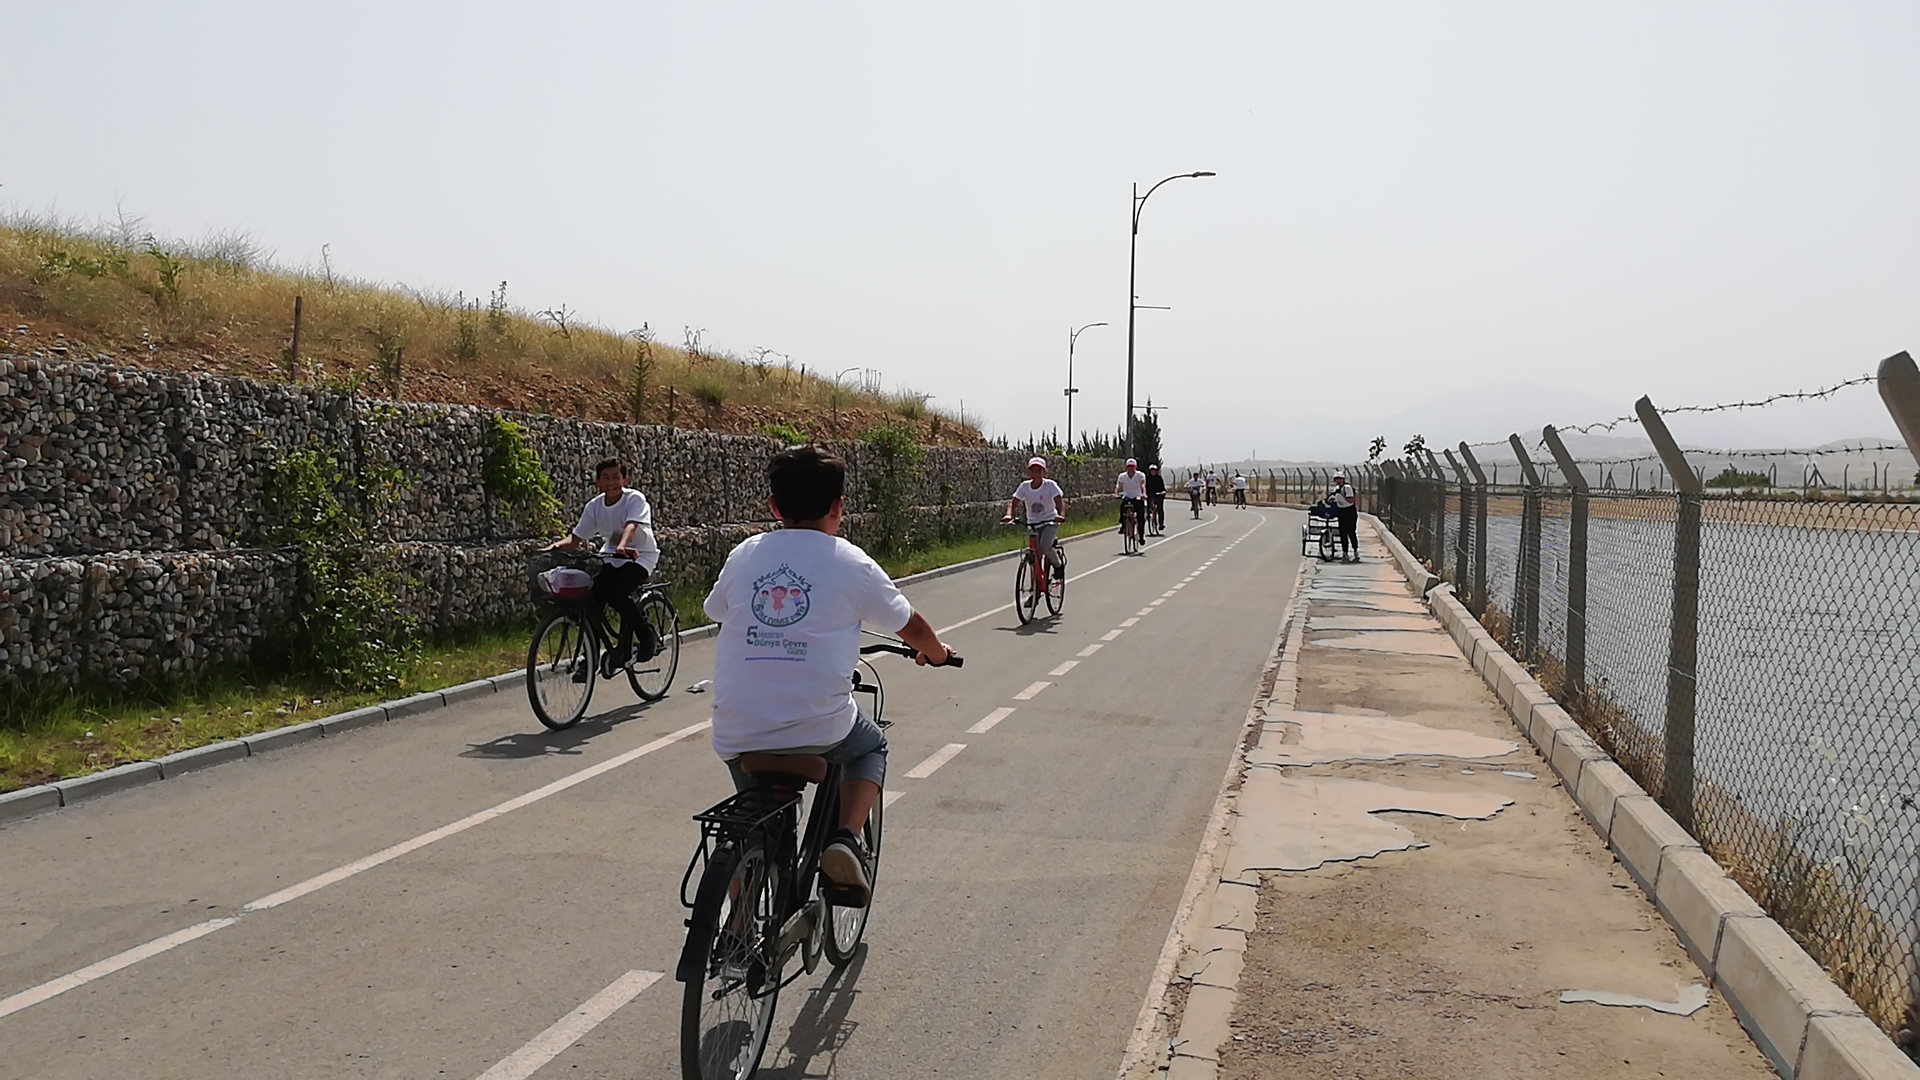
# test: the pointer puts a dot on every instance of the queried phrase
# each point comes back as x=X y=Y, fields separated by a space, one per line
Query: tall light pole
x=1073 y=336
x=1133 y=298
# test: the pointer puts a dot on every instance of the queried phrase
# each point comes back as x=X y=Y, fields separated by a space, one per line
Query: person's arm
x=919 y=633
x=624 y=548
x=1060 y=507
x=1012 y=504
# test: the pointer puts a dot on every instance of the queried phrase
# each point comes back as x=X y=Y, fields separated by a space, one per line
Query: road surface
x=465 y=894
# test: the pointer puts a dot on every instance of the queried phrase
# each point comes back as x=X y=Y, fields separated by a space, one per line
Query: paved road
x=465 y=891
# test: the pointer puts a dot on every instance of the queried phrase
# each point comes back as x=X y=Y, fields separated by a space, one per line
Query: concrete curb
x=1806 y=1025
x=26 y=802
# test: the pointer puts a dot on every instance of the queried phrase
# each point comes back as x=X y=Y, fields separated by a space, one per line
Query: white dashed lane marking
x=1089 y=650
x=1031 y=692
x=1064 y=668
x=1111 y=634
x=992 y=718
x=940 y=757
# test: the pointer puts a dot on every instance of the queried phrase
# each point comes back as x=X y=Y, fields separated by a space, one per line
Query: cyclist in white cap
x=1131 y=487
x=1046 y=507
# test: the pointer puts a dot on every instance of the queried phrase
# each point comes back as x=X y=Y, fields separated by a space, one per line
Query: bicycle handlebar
x=909 y=652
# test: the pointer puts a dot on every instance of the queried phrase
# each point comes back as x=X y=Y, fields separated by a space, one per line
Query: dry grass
x=222 y=306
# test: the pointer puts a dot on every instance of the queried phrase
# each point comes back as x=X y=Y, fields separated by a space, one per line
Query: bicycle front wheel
x=563 y=661
x=846 y=925
x=728 y=1008
x=1056 y=589
x=1026 y=595
x=1328 y=545
x=650 y=678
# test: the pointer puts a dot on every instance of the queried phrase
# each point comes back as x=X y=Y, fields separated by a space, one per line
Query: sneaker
x=845 y=864
x=1059 y=572
x=614 y=660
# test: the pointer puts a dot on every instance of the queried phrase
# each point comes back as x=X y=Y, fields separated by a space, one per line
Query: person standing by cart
x=1347 y=509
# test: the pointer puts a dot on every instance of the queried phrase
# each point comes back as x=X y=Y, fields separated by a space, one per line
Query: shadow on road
x=1045 y=624
x=544 y=743
x=822 y=1027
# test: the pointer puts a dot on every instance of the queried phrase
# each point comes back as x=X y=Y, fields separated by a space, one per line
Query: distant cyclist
x=1132 y=489
x=1213 y=488
x=1239 y=490
x=620 y=519
x=1046 y=507
x=1156 y=500
x=1196 y=490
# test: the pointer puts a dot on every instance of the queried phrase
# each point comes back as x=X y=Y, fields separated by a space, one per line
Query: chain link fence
x=1753 y=662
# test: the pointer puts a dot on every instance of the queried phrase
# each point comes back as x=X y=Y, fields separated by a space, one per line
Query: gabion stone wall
x=131 y=508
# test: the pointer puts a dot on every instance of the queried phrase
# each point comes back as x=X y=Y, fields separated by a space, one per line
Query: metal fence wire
x=1781 y=723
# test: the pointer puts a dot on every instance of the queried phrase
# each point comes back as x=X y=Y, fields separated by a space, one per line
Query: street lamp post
x=1073 y=336
x=1133 y=298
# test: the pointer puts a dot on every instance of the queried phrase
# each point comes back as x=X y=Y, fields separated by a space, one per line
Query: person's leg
x=862 y=757
x=1050 y=547
x=614 y=589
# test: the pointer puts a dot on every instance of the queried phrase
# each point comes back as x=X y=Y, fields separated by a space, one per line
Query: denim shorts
x=862 y=755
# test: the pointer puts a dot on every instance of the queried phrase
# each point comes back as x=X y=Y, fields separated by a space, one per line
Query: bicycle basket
x=559 y=578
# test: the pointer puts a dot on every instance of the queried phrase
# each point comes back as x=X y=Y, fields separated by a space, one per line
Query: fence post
x=1464 y=533
x=1437 y=542
x=1527 y=589
x=1575 y=680
x=1684 y=643
x=1478 y=602
x=1899 y=384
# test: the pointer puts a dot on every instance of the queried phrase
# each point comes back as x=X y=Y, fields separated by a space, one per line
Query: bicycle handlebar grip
x=956 y=660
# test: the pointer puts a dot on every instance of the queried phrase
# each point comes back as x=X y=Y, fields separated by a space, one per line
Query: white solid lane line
x=34 y=995
x=940 y=757
x=1064 y=668
x=1031 y=692
x=992 y=718
x=566 y=1031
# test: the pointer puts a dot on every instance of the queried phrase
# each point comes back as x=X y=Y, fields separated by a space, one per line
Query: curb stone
x=1799 y=1018
x=27 y=802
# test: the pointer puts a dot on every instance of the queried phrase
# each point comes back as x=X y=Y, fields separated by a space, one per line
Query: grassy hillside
x=220 y=305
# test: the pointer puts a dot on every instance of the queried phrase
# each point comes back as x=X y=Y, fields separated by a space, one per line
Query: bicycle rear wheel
x=1026 y=596
x=650 y=678
x=728 y=1008
x=563 y=661
x=846 y=925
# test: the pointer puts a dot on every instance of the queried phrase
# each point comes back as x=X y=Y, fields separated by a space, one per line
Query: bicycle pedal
x=844 y=895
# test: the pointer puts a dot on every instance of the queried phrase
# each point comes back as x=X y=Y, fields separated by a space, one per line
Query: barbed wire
x=1811 y=452
x=1725 y=406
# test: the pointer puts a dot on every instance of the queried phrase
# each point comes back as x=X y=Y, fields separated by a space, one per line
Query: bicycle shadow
x=1042 y=624
x=822 y=1026
x=524 y=745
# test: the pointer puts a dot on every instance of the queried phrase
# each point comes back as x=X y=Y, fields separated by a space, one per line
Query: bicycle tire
x=846 y=925
x=1130 y=540
x=1056 y=591
x=1328 y=545
x=654 y=676
x=561 y=647
x=1025 y=595
x=726 y=1041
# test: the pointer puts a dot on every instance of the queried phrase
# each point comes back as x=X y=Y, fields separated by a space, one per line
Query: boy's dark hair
x=608 y=463
x=805 y=481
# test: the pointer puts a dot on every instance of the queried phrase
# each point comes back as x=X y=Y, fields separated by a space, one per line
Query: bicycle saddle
x=809 y=767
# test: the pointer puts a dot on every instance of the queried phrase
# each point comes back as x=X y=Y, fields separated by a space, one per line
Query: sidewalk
x=1426 y=898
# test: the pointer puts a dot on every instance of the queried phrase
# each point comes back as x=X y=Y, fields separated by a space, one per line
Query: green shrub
x=515 y=475
x=786 y=433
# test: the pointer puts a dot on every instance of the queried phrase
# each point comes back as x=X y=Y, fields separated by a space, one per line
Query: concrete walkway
x=1407 y=891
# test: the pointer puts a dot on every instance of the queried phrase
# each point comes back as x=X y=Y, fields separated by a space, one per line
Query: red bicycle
x=1034 y=581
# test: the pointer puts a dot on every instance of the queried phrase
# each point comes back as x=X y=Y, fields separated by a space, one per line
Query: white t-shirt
x=1194 y=484
x=1133 y=487
x=790 y=604
x=608 y=522
x=1211 y=480
x=1343 y=496
x=1239 y=483
x=1039 y=500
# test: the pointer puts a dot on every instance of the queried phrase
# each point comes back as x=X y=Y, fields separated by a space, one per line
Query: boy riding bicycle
x=1046 y=508
x=790 y=603
x=620 y=519
x=1131 y=487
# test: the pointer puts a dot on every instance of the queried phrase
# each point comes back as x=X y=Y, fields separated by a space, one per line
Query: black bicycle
x=568 y=656
x=758 y=900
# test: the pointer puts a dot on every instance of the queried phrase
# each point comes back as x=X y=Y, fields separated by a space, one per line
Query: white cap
x=1130 y=461
x=1339 y=476
x=1040 y=461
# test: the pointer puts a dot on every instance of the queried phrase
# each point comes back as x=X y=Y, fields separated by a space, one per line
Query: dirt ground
x=1448 y=960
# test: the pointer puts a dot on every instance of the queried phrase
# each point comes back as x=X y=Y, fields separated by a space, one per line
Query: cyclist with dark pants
x=1156 y=499
x=790 y=604
x=1131 y=487
x=621 y=521
x=1347 y=509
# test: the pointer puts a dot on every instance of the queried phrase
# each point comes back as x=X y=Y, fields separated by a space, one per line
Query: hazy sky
x=1693 y=200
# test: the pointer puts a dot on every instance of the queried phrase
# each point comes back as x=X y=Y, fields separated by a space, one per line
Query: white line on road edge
x=1031 y=692
x=1083 y=573
x=36 y=994
x=992 y=718
x=1090 y=650
x=566 y=1031
x=940 y=757
x=1064 y=668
